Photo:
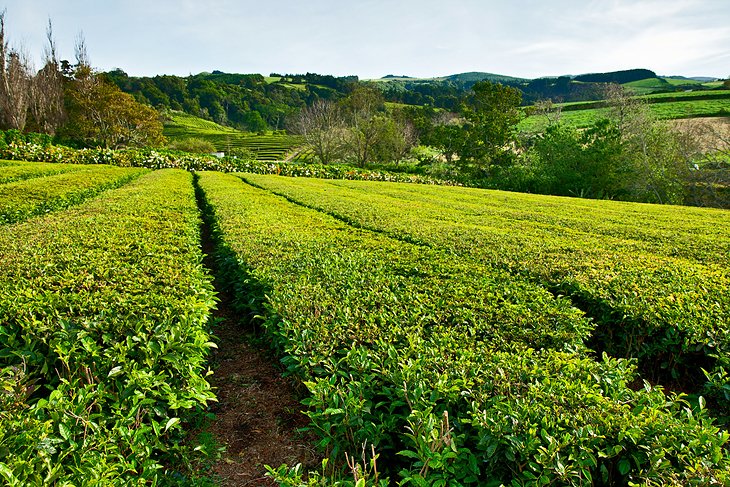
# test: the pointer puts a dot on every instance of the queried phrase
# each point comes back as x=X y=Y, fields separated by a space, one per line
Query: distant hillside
x=619 y=77
x=265 y=147
x=258 y=103
x=474 y=76
x=699 y=79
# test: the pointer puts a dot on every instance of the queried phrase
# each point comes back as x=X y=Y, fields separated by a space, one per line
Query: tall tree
x=362 y=108
x=322 y=126
x=651 y=148
x=491 y=113
x=15 y=83
x=99 y=113
x=47 y=105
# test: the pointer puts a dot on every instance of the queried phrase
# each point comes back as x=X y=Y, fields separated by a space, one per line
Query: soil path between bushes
x=258 y=413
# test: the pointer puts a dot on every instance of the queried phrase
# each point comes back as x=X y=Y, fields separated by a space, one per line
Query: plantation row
x=653 y=278
x=456 y=368
x=36 y=192
x=11 y=171
x=104 y=309
x=443 y=331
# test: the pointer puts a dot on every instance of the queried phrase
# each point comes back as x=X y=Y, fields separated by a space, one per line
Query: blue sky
x=372 y=38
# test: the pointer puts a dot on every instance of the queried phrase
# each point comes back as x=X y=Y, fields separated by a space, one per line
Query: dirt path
x=258 y=411
x=257 y=414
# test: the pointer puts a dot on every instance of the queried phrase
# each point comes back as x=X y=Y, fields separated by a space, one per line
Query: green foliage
x=103 y=342
x=586 y=163
x=457 y=367
x=628 y=155
x=244 y=101
x=100 y=114
x=491 y=114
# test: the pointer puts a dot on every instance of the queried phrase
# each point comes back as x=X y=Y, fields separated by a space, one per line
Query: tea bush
x=458 y=372
x=104 y=313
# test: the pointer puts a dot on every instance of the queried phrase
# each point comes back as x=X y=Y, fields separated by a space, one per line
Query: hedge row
x=159 y=159
x=654 y=279
x=448 y=367
x=23 y=199
x=103 y=316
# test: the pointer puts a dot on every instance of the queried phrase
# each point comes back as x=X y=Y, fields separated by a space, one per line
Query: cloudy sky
x=372 y=38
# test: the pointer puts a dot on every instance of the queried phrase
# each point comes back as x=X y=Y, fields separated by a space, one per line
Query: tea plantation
x=264 y=147
x=456 y=336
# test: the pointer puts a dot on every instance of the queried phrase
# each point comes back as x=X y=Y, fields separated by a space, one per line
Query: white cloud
x=375 y=37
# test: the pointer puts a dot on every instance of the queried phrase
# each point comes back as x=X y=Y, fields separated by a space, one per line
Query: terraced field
x=269 y=147
x=464 y=336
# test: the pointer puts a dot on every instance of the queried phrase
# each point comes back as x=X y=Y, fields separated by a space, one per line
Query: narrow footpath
x=258 y=411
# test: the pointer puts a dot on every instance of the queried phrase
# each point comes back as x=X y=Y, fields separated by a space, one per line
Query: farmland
x=469 y=337
x=103 y=312
x=665 y=106
x=265 y=147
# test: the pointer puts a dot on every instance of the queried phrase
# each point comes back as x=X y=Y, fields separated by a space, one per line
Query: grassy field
x=268 y=147
x=666 y=106
x=499 y=338
x=651 y=85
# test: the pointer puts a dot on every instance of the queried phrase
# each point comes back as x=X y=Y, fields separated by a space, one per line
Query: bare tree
x=15 y=82
x=322 y=126
x=47 y=106
x=81 y=52
x=706 y=149
x=549 y=110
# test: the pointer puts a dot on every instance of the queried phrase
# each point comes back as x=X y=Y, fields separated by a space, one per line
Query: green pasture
x=685 y=105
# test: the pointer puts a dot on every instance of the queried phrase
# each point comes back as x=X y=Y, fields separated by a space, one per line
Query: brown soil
x=257 y=415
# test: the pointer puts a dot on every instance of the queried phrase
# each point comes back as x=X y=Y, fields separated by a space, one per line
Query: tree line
x=243 y=101
x=69 y=100
x=628 y=155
